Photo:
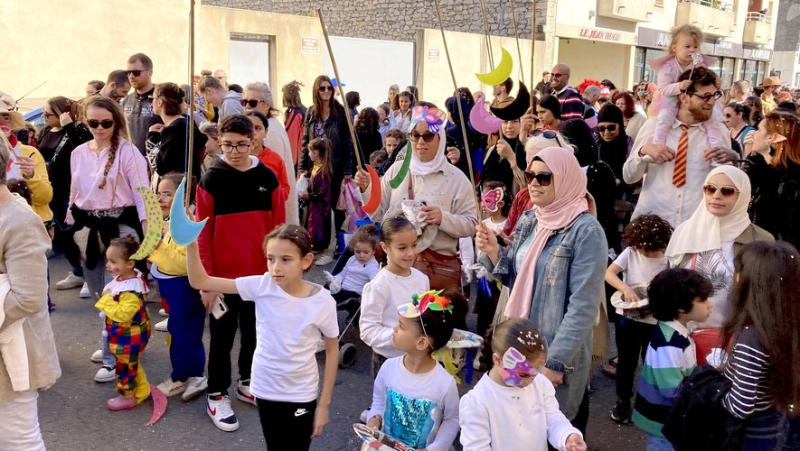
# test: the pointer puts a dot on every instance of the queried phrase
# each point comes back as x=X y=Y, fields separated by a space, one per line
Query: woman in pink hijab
x=555 y=268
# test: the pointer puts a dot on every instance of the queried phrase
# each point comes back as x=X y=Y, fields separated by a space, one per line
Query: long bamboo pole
x=533 y=47
x=516 y=38
x=190 y=158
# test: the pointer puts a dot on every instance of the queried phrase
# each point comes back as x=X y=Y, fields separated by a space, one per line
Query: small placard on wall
x=433 y=55
x=309 y=45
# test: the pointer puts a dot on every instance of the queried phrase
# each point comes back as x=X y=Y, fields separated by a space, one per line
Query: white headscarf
x=439 y=160
x=704 y=231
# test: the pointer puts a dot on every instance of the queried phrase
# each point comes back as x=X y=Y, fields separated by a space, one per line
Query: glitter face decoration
x=491 y=198
x=517 y=370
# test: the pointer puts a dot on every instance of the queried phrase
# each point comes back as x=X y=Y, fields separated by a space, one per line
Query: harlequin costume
x=128 y=329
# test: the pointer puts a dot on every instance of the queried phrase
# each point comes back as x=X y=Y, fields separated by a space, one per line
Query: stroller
x=352 y=305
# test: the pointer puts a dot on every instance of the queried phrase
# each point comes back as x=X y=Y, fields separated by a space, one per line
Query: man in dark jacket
x=138 y=105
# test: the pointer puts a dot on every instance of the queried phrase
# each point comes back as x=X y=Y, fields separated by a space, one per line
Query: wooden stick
x=190 y=151
x=341 y=90
x=516 y=38
x=533 y=46
x=486 y=34
x=460 y=111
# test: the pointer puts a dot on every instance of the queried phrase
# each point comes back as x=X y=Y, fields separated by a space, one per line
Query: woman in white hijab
x=708 y=241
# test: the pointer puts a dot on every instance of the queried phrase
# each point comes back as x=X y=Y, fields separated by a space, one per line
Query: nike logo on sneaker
x=300 y=412
x=212 y=411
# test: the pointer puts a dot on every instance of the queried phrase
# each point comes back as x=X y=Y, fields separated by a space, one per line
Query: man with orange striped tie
x=674 y=173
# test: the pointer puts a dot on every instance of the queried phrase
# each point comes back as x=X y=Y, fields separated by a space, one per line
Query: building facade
x=787 y=43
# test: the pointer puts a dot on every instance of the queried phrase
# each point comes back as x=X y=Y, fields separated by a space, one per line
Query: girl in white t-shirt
x=291 y=316
x=414 y=399
x=647 y=237
x=514 y=407
x=392 y=287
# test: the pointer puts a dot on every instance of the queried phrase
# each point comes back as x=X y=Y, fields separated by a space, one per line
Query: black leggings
x=287 y=426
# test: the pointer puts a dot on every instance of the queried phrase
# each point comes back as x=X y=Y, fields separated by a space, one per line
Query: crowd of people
x=671 y=211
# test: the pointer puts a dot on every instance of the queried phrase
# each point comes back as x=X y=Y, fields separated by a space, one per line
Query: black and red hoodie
x=242 y=207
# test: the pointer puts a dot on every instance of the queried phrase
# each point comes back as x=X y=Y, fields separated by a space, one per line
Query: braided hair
x=119 y=132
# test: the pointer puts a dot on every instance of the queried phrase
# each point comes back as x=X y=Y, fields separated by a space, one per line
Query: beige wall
x=74 y=43
x=469 y=55
x=596 y=60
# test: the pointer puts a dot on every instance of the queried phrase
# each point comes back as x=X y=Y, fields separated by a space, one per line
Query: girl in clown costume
x=127 y=323
x=414 y=399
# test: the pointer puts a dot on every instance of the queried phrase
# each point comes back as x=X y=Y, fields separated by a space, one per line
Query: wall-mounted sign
x=433 y=55
x=595 y=34
x=755 y=53
x=309 y=45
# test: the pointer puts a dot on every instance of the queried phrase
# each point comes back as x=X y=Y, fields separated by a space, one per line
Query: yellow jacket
x=767 y=105
x=169 y=257
x=39 y=184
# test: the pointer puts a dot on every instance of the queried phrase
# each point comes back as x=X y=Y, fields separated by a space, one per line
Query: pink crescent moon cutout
x=159 y=405
x=482 y=120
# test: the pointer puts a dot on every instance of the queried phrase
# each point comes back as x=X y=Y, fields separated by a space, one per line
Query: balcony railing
x=759 y=17
x=716 y=4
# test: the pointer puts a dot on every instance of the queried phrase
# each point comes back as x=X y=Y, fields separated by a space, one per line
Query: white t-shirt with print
x=717 y=265
x=287 y=330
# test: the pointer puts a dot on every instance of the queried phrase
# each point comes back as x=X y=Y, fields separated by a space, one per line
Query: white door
x=249 y=62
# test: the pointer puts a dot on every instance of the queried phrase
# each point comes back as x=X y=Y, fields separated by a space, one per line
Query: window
x=724 y=69
x=642 y=70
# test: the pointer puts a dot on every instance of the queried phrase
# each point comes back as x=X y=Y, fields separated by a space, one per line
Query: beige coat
x=23 y=243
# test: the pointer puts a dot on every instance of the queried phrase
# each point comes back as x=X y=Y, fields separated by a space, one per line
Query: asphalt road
x=73 y=416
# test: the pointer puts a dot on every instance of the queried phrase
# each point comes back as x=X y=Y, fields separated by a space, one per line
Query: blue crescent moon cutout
x=184 y=231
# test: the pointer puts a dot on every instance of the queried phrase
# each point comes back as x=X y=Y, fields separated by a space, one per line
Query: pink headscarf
x=570 y=202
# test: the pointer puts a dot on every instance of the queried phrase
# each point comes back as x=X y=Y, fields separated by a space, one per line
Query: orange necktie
x=679 y=173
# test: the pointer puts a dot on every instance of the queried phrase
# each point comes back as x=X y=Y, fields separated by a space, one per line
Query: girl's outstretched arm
x=200 y=280
x=321 y=418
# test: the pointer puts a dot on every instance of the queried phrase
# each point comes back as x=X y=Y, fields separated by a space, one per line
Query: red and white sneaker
x=218 y=407
x=243 y=392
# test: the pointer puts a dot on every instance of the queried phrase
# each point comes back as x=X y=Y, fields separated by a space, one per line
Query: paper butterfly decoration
x=434 y=117
x=425 y=301
x=491 y=198
x=514 y=366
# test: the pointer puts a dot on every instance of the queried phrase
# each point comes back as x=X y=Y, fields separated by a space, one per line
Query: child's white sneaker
x=194 y=386
x=105 y=374
x=171 y=388
x=243 y=392
x=218 y=407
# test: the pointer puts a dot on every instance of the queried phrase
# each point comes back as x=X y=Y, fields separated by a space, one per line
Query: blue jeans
x=655 y=443
x=771 y=430
x=97 y=279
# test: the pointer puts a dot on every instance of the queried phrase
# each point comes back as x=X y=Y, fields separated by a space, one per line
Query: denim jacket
x=568 y=289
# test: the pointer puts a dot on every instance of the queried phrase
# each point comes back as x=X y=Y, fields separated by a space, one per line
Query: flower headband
x=426 y=301
x=434 y=117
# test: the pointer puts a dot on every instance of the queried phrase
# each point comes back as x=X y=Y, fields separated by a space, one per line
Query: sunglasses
x=542 y=178
x=252 y=103
x=603 y=128
x=427 y=137
x=94 y=123
x=728 y=116
x=135 y=73
x=727 y=191
x=325 y=88
x=548 y=134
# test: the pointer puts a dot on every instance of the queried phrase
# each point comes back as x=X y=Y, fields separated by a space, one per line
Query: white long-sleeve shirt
x=355 y=275
x=496 y=417
x=421 y=410
x=379 y=302
x=659 y=196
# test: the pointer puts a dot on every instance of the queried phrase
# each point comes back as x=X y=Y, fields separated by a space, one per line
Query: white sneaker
x=243 y=392
x=163 y=313
x=71 y=281
x=105 y=374
x=218 y=407
x=194 y=386
x=161 y=326
x=323 y=259
x=85 y=291
x=171 y=388
x=97 y=356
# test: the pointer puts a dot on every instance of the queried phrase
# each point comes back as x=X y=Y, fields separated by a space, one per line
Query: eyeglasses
x=555 y=75
x=94 y=123
x=607 y=128
x=325 y=88
x=708 y=96
x=726 y=191
x=135 y=73
x=543 y=178
x=427 y=137
x=241 y=148
x=548 y=134
x=252 y=103
x=46 y=115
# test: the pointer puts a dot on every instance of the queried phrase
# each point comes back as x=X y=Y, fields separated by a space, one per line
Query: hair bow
x=490 y=199
x=434 y=117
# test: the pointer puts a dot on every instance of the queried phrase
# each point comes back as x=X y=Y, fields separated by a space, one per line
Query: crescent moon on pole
x=500 y=73
x=481 y=120
x=184 y=231
x=517 y=108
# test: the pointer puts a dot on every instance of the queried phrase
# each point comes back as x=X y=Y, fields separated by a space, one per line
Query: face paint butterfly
x=491 y=198
x=517 y=370
x=433 y=117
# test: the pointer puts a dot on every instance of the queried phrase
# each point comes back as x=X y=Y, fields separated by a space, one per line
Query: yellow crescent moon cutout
x=154 y=223
x=500 y=73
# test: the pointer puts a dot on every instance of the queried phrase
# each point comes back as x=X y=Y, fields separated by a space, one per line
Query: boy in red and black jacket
x=243 y=202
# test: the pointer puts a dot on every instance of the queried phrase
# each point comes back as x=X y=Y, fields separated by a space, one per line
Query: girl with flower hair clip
x=414 y=399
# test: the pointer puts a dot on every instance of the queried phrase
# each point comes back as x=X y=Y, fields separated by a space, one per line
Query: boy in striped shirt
x=676 y=296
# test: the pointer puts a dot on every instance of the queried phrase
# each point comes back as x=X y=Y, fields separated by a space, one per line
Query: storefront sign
x=433 y=55
x=595 y=34
x=729 y=49
x=309 y=45
x=755 y=53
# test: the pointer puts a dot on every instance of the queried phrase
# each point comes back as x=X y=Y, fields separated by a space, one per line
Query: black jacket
x=166 y=151
x=139 y=113
x=337 y=131
x=57 y=157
